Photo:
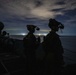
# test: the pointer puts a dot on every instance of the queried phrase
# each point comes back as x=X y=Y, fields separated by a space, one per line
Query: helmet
x=53 y=22
x=32 y=27
x=4 y=32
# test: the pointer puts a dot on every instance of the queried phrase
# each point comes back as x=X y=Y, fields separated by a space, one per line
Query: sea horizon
x=20 y=37
x=68 y=43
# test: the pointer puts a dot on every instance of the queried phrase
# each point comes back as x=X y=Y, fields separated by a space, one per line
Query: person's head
x=4 y=33
x=31 y=28
x=1 y=26
x=55 y=25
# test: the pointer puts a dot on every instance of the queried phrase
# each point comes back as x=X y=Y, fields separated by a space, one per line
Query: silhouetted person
x=53 y=49
x=1 y=28
x=4 y=38
x=4 y=33
x=7 y=42
x=30 y=44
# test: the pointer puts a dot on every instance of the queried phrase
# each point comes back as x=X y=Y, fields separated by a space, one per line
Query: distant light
x=23 y=34
x=39 y=34
x=44 y=34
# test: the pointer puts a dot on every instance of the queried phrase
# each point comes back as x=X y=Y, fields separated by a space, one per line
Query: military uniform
x=30 y=44
x=53 y=50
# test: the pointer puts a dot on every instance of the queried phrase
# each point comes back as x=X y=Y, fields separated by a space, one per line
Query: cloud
x=36 y=8
x=27 y=8
x=17 y=13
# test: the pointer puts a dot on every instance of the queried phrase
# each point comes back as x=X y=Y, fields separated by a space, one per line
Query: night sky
x=16 y=14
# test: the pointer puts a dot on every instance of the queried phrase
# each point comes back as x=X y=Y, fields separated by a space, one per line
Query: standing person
x=1 y=43
x=30 y=44
x=53 y=49
x=1 y=27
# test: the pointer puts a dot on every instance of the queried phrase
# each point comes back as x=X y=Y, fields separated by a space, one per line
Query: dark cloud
x=57 y=10
x=73 y=22
x=73 y=3
x=70 y=12
x=60 y=3
x=16 y=20
x=62 y=18
x=38 y=3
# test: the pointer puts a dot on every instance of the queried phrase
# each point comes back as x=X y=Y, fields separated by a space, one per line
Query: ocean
x=68 y=43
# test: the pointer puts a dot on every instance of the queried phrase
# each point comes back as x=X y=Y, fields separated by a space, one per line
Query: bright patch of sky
x=16 y=14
